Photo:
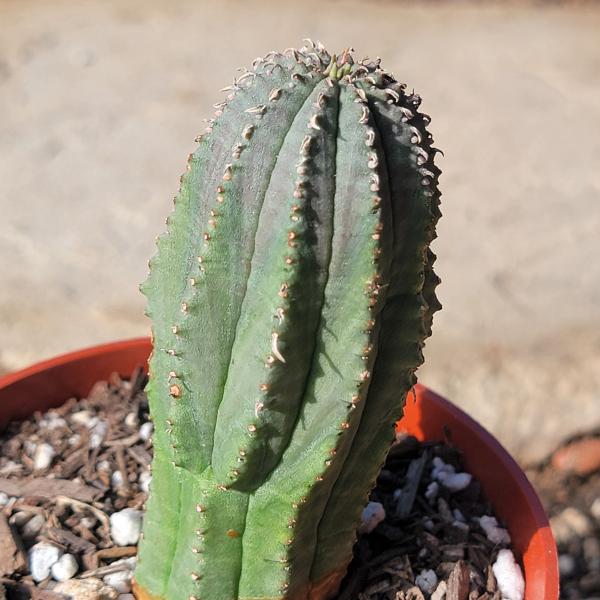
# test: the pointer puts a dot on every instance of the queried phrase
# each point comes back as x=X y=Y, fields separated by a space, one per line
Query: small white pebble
x=446 y=474
x=372 y=515
x=84 y=417
x=131 y=420
x=53 y=421
x=103 y=465
x=493 y=531
x=4 y=499
x=440 y=468
x=125 y=526
x=98 y=433
x=74 y=439
x=427 y=581
x=144 y=481
x=432 y=490
x=64 y=568
x=120 y=581
x=116 y=479
x=509 y=576
x=566 y=565
x=43 y=456
x=440 y=591
x=438 y=463
x=455 y=482
x=41 y=558
x=146 y=430
x=428 y=524
x=459 y=516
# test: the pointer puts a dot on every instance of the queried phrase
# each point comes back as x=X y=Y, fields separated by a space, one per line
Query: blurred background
x=100 y=101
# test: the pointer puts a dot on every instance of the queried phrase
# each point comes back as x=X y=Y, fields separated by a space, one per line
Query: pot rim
x=514 y=499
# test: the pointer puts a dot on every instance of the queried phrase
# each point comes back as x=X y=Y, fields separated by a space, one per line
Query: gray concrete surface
x=100 y=101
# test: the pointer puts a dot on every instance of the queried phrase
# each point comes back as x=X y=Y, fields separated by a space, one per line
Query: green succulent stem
x=290 y=298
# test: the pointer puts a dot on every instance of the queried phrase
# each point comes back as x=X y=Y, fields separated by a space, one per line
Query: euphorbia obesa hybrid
x=290 y=298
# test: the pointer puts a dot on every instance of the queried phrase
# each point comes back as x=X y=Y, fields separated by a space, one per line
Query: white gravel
x=372 y=515
x=74 y=439
x=120 y=581
x=432 y=490
x=131 y=420
x=427 y=581
x=446 y=475
x=144 y=481
x=52 y=421
x=41 y=558
x=43 y=456
x=146 y=430
x=459 y=516
x=116 y=479
x=64 y=568
x=85 y=418
x=509 y=576
x=494 y=533
x=126 y=526
x=98 y=433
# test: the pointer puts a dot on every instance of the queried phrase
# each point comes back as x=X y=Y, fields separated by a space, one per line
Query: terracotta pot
x=427 y=416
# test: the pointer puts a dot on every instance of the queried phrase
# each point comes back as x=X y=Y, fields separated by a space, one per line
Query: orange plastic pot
x=427 y=416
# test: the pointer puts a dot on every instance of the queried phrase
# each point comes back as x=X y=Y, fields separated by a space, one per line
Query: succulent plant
x=290 y=300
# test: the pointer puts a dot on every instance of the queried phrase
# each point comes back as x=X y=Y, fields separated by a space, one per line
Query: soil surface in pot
x=73 y=482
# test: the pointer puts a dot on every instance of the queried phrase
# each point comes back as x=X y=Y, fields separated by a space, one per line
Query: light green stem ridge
x=168 y=285
x=336 y=385
x=275 y=336
x=161 y=521
x=373 y=209
x=401 y=339
x=200 y=365
x=165 y=282
x=207 y=563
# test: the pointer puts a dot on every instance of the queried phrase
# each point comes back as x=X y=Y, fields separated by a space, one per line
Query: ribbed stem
x=290 y=301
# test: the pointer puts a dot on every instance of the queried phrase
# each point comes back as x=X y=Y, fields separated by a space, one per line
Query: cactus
x=290 y=299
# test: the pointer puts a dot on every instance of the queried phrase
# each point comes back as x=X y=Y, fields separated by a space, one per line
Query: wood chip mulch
x=418 y=534
x=100 y=464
